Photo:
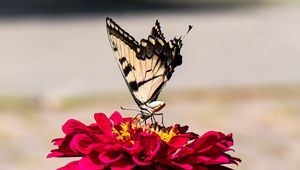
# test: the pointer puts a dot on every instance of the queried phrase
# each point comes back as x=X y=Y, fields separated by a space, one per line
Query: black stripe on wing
x=115 y=29
x=146 y=81
x=133 y=85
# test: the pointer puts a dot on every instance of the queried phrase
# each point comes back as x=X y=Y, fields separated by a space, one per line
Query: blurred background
x=240 y=73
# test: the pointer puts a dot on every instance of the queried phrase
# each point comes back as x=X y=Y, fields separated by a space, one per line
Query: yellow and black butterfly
x=145 y=66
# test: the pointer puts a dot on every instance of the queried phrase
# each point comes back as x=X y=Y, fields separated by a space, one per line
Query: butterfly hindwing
x=145 y=66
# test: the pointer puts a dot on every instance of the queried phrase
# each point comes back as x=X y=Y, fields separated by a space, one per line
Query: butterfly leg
x=145 y=115
x=153 y=119
x=151 y=116
x=137 y=115
x=162 y=117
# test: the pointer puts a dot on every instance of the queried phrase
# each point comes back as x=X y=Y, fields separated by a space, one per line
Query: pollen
x=128 y=131
x=166 y=136
x=123 y=133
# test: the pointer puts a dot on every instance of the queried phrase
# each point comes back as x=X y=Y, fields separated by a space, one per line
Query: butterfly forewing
x=145 y=66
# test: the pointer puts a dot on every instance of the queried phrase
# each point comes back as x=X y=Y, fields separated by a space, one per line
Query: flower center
x=127 y=131
x=166 y=136
x=123 y=133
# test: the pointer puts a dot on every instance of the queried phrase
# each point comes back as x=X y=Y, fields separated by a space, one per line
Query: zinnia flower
x=123 y=143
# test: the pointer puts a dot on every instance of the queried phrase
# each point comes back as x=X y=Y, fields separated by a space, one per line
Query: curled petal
x=116 y=118
x=183 y=166
x=91 y=162
x=109 y=157
x=64 y=149
x=103 y=123
x=123 y=164
x=152 y=149
x=206 y=141
x=57 y=141
x=81 y=143
x=74 y=165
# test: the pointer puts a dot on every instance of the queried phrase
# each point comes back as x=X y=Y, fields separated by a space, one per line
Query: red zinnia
x=122 y=143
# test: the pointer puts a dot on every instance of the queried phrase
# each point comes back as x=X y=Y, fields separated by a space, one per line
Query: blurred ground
x=240 y=74
x=263 y=120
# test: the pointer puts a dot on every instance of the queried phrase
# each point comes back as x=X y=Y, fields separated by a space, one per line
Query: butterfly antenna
x=189 y=29
x=129 y=109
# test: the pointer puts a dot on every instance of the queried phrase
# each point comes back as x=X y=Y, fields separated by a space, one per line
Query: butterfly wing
x=146 y=67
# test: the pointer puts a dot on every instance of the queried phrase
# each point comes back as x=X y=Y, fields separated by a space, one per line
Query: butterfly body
x=145 y=66
x=153 y=107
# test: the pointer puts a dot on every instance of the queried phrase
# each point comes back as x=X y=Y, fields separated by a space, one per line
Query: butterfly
x=146 y=66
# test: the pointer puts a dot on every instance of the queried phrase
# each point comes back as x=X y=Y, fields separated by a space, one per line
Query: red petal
x=206 y=141
x=153 y=149
x=178 y=141
x=57 y=141
x=123 y=164
x=71 y=125
x=103 y=123
x=81 y=143
x=54 y=153
x=116 y=117
x=109 y=157
x=91 y=162
x=176 y=165
x=180 y=153
x=134 y=149
x=71 y=166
